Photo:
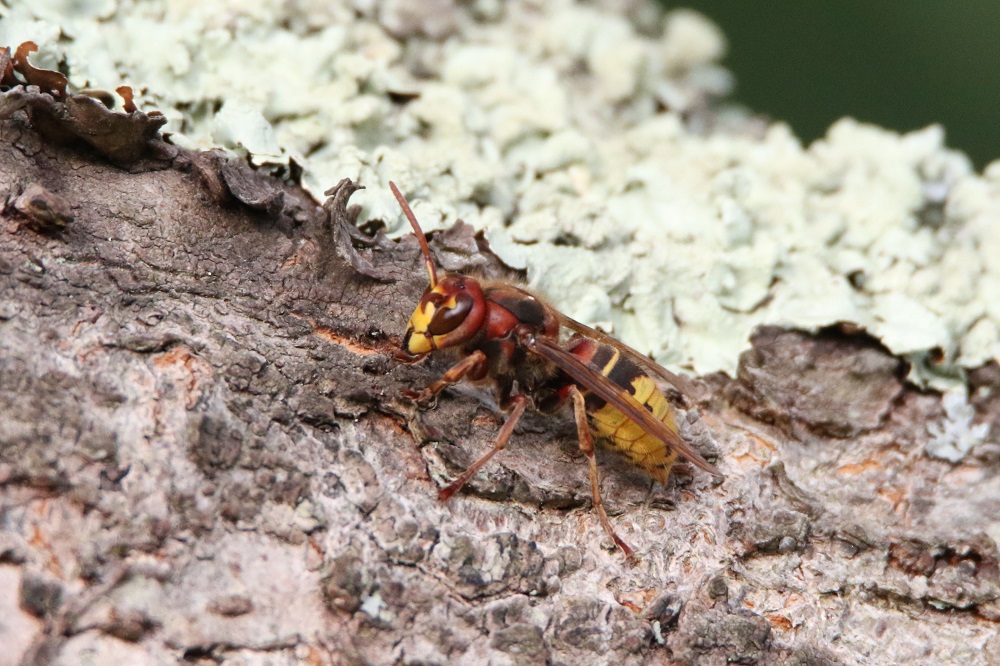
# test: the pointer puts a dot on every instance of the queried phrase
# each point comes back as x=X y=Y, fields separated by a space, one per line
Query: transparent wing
x=615 y=395
x=682 y=384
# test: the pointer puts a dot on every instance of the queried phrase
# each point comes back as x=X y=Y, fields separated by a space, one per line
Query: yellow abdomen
x=620 y=433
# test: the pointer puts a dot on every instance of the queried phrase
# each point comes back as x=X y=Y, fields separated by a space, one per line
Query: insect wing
x=657 y=371
x=608 y=391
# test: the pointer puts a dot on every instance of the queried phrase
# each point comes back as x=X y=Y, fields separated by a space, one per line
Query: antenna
x=418 y=232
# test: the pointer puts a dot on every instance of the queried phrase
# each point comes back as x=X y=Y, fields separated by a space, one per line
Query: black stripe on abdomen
x=624 y=373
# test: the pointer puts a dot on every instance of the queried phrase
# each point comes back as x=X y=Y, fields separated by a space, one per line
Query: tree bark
x=204 y=455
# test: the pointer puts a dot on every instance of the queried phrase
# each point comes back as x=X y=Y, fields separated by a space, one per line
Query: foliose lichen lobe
x=591 y=144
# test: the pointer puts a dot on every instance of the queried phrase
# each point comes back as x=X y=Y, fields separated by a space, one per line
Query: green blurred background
x=902 y=65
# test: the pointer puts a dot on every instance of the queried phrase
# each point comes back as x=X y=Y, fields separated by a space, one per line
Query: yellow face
x=442 y=319
x=419 y=339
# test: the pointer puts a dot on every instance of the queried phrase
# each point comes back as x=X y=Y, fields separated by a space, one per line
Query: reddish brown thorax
x=509 y=336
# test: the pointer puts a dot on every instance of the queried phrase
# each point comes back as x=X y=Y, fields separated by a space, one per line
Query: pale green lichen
x=545 y=123
x=956 y=434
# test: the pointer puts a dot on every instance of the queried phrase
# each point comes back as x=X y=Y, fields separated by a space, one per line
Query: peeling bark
x=203 y=454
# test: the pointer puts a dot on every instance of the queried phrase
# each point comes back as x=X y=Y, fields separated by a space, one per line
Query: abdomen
x=615 y=430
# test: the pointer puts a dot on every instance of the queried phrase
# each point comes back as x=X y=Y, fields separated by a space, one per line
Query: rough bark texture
x=204 y=456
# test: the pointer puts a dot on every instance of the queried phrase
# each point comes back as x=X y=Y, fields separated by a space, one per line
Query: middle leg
x=519 y=403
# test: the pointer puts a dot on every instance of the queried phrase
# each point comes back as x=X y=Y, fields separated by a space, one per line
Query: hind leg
x=587 y=447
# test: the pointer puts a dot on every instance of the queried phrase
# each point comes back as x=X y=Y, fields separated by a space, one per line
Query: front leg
x=474 y=364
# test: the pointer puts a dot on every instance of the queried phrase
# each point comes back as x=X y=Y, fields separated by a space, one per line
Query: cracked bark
x=203 y=455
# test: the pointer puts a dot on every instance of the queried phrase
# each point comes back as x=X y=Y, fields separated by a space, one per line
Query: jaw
x=417 y=343
x=405 y=356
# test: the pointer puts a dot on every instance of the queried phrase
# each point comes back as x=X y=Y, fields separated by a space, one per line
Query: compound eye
x=446 y=320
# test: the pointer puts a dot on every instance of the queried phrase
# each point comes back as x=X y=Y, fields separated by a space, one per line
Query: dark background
x=902 y=65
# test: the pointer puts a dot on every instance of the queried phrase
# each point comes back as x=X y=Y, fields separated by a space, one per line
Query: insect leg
x=587 y=447
x=471 y=362
x=520 y=403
